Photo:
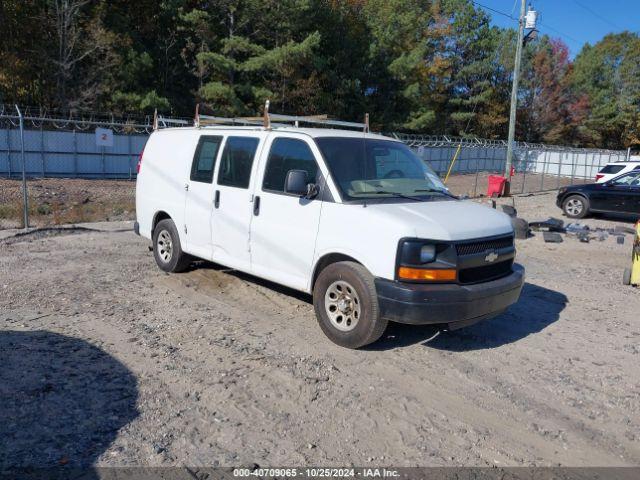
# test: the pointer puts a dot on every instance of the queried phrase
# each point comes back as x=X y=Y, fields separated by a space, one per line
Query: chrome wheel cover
x=342 y=304
x=164 y=246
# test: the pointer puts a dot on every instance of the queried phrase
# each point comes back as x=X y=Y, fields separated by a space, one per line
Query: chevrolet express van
x=355 y=219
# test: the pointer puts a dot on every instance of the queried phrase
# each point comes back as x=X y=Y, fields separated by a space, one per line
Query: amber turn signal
x=432 y=275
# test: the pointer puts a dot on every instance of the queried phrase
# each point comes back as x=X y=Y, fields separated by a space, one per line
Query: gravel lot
x=106 y=360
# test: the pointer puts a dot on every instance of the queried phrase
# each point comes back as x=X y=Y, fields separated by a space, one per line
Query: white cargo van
x=355 y=219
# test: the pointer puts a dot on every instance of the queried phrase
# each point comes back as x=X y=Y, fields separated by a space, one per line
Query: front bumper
x=452 y=304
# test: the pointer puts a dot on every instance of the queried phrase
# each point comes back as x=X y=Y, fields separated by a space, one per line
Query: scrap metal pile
x=553 y=229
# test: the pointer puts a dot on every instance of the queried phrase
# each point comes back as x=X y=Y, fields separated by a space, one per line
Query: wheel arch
x=574 y=194
x=582 y=195
x=327 y=259
x=158 y=217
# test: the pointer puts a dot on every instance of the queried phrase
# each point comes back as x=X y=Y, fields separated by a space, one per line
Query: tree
x=407 y=40
x=254 y=51
x=432 y=66
x=80 y=50
x=24 y=76
x=477 y=100
x=547 y=95
x=609 y=74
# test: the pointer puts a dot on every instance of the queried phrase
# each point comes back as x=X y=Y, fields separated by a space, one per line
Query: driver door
x=284 y=226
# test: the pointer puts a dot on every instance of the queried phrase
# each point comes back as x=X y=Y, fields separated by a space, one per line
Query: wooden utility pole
x=514 y=99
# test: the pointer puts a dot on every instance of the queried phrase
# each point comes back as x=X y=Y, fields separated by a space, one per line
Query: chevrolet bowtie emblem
x=492 y=257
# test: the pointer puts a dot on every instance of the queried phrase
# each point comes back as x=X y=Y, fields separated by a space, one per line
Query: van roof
x=312 y=132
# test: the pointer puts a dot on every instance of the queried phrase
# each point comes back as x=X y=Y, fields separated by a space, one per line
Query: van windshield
x=368 y=168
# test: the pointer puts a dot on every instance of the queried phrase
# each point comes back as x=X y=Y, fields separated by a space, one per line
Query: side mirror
x=297 y=183
x=312 y=191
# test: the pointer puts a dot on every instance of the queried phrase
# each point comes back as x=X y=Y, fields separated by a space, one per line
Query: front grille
x=485 y=273
x=480 y=246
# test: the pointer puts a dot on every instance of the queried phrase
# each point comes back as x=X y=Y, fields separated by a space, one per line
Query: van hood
x=449 y=220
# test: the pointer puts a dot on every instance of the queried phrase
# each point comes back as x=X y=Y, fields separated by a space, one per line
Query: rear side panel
x=164 y=171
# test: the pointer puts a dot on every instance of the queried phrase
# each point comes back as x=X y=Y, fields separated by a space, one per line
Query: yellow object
x=635 y=258
x=433 y=275
x=453 y=161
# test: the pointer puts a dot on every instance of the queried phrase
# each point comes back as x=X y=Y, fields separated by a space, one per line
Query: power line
x=504 y=14
x=568 y=37
x=511 y=17
x=596 y=14
x=513 y=9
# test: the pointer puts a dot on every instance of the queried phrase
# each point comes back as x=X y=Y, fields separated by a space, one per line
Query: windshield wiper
x=396 y=194
x=435 y=190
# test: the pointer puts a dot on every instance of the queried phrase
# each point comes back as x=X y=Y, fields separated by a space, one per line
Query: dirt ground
x=106 y=360
x=57 y=201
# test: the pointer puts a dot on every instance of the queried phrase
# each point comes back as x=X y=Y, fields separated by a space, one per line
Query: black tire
x=368 y=325
x=569 y=206
x=175 y=260
x=520 y=227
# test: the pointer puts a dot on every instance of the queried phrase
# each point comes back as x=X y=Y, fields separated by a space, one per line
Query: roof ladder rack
x=269 y=120
x=159 y=120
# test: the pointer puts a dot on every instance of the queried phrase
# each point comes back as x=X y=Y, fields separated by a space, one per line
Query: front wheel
x=575 y=206
x=346 y=305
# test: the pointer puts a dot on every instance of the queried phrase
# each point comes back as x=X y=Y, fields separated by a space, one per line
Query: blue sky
x=575 y=21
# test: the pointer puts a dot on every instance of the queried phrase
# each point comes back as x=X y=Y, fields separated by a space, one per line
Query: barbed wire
x=42 y=118
x=434 y=141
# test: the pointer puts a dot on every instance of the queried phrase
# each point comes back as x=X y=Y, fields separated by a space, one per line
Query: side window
x=288 y=154
x=237 y=159
x=204 y=161
x=628 y=180
x=612 y=169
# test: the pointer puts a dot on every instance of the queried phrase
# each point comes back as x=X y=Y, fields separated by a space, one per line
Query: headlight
x=426 y=261
x=417 y=252
x=427 y=253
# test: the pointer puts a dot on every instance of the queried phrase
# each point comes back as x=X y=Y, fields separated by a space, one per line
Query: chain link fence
x=468 y=162
x=59 y=146
x=80 y=167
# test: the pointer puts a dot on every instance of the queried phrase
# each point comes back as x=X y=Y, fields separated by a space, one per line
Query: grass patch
x=58 y=213
x=10 y=211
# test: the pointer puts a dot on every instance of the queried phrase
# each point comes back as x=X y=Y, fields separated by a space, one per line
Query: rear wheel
x=166 y=248
x=575 y=206
x=346 y=305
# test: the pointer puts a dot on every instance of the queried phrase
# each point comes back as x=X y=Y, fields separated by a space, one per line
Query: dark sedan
x=620 y=195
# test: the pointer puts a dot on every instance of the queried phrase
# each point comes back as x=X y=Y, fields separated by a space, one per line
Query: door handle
x=256 y=206
x=216 y=199
x=186 y=187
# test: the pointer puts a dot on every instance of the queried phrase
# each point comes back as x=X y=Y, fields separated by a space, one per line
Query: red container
x=496 y=185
